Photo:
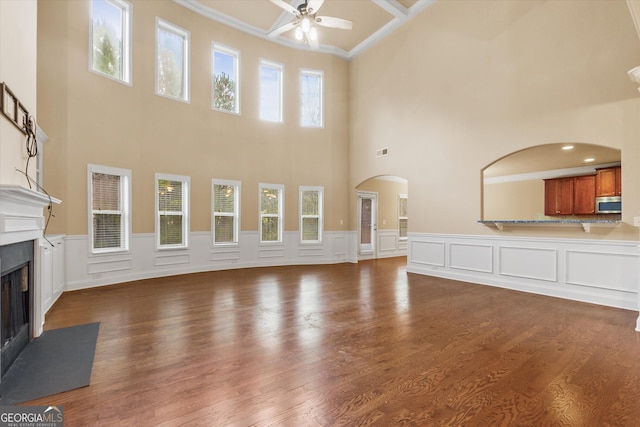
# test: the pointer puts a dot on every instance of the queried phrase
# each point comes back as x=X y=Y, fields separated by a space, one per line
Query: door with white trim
x=367 y=223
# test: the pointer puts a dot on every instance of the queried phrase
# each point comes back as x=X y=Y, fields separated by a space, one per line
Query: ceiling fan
x=305 y=21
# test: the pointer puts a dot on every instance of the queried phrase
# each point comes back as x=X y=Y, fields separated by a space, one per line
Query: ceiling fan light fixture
x=305 y=24
x=313 y=33
x=298 y=33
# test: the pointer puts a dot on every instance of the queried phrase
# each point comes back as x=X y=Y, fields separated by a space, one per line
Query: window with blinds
x=311 y=199
x=403 y=219
x=172 y=197
x=109 y=190
x=226 y=207
x=271 y=212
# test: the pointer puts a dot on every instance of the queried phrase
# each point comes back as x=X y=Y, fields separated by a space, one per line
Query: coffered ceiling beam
x=394 y=7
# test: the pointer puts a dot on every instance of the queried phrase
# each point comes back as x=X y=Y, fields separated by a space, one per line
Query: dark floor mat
x=59 y=360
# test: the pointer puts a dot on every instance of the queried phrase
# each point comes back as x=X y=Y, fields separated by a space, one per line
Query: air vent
x=382 y=152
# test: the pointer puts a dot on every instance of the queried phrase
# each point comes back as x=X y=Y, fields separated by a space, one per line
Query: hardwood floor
x=347 y=345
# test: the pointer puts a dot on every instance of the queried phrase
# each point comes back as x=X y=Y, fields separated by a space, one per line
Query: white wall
x=18 y=51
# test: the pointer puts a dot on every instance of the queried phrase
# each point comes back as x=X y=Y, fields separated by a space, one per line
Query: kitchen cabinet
x=558 y=196
x=584 y=192
x=609 y=182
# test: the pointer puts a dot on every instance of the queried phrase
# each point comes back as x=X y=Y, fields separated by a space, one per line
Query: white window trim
x=320 y=215
x=127 y=38
x=236 y=54
x=309 y=72
x=280 y=68
x=125 y=197
x=280 y=188
x=186 y=183
x=236 y=214
x=186 y=35
x=402 y=196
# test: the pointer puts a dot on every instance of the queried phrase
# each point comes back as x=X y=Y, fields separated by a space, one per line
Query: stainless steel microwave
x=609 y=205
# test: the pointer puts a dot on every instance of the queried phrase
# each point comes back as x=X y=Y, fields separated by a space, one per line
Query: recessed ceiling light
x=568 y=147
x=589 y=160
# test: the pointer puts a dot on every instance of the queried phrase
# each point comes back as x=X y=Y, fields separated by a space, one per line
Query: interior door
x=367 y=223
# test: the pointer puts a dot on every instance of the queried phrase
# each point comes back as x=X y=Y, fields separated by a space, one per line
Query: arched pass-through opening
x=382 y=217
x=513 y=187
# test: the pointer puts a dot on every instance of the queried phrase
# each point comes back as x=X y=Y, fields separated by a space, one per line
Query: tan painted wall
x=91 y=119
x=388 y=192
x=18 y=33
x=465 y=83
x=514 y=200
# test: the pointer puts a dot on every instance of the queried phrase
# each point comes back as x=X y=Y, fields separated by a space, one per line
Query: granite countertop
x=586 y=224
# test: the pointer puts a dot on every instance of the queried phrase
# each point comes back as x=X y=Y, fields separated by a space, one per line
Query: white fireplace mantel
x=21 y=213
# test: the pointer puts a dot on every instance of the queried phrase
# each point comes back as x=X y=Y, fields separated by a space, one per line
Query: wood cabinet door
x=565 y=196
x=618 y=181
x=584 y=195
x=558 y=196
x=551 y=197
x=606 y=182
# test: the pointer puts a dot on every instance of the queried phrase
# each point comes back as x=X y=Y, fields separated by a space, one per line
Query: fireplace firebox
x=16 y=296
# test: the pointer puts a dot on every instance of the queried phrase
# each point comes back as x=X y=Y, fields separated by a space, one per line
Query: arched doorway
x=382 y=217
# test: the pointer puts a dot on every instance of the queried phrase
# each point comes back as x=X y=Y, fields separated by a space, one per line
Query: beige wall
x=522 y=200
x=18 y=32
x=388 y=191
x=465 y=83
x=91 y=119
x=459 y=86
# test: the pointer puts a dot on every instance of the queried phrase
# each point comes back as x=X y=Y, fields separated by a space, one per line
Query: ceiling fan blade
x=331 y=22
x=313 y=6
x=284 y=28
x=286 y=6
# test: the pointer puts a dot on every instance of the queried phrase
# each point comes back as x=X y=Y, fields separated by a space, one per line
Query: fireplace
x=21 y=229
x=16 y=296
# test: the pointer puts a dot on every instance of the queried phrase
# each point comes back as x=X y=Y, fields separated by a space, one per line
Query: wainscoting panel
x=98 y=266
x=602 y=270
x=471 y=257
x=340 y=246
x=172 y=259
x=594 y=271
x=426 y=252
x=528 y=263
x=143 y=261
x=389 y=244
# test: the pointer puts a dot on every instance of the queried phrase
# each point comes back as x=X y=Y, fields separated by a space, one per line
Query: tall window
x=403 y=219
x=311 y=214
x=110 y=39
x=226 y=211
x=172 y=61
x=226 y=83
x=271 y=212
x=271 y=91
x=172 y=211
x=109 y=212
x=311 y=98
